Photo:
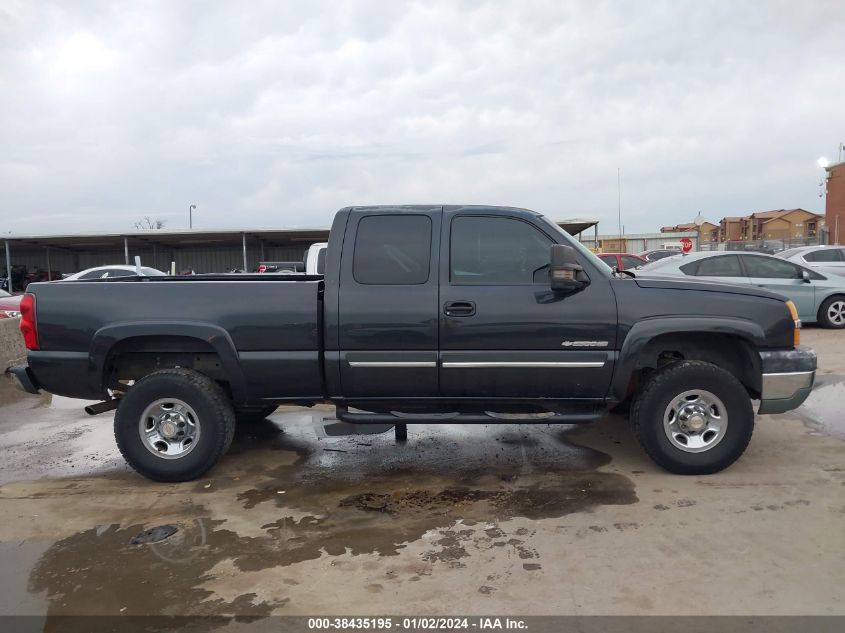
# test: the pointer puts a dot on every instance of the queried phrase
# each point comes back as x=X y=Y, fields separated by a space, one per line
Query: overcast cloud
x=279 y=113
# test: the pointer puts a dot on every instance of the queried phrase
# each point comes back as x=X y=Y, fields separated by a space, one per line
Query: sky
x=278 y=113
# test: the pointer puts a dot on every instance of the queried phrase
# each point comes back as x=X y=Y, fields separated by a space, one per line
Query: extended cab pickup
x=425 y=314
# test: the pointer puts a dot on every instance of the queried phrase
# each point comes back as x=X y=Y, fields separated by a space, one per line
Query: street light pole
x=190 y=216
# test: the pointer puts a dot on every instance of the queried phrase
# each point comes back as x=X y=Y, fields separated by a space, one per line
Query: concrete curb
x=12 y=349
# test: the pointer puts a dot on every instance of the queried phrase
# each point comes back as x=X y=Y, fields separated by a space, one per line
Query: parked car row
x=314 y=263
x=819 y=298
x=629 y=261
x=9 y=305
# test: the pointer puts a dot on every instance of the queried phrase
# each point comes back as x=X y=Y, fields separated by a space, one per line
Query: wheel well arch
x=732 y=352
x=134 y=357
x=833 y=295
x=130 y=351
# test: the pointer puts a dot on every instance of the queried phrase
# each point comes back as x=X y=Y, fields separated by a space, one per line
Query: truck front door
x=388 y=299
x=503 y=332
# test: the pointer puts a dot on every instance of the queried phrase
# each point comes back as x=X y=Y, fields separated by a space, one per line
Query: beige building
x=707 y=231
x=781 y=224
x=731 y=228
x=785 y=224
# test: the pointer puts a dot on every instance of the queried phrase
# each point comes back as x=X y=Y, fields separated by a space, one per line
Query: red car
x=622 y=261
x=9 y=305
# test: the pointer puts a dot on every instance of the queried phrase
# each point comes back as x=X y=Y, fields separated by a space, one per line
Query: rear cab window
x=392 y=250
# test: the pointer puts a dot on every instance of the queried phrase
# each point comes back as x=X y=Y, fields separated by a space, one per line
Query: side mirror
x=805 y=276
x=565 y=273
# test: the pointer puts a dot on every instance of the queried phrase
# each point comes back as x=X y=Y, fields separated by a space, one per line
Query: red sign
x=686 y=244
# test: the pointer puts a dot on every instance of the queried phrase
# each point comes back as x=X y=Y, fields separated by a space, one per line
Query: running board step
x=366 y=417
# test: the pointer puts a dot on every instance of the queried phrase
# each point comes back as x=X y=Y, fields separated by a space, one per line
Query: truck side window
x=392 y=249
x=493 y=250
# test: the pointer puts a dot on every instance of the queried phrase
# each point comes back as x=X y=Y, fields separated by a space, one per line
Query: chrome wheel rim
x=169 y=428
x=695 y=421
x=836 y=312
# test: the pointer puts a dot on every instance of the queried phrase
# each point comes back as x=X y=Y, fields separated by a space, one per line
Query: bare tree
x=148 y=224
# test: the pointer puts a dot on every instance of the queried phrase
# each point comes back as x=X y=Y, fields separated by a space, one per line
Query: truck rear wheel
x=174 y=425
x=693 y=418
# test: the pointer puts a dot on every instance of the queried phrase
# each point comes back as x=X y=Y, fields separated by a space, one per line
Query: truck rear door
x=503 y=332
x=388 y=296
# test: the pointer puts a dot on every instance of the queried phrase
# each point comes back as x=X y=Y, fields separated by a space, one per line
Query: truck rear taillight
x=28 y=327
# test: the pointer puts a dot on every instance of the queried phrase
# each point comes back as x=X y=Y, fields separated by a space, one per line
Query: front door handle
x=459 y=308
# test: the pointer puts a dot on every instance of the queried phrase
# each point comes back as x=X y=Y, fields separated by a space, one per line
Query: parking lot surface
x=511 y=519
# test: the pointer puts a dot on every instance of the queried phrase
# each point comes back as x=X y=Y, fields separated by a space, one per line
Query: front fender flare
x=644 y=331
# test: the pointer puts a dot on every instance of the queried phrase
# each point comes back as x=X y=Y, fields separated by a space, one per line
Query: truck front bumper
x=787 y=379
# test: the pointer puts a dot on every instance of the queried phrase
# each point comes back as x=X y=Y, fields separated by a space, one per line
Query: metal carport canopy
x=196 y=237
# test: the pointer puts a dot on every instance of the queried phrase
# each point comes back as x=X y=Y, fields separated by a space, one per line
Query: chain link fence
x=770 y=246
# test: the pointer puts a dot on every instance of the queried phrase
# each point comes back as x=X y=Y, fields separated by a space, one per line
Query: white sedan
x=830 y=259
x=118 y=270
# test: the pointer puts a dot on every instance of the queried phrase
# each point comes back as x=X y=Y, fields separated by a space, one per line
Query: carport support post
x=8 y=267
x=126 y=250
x=243 y=241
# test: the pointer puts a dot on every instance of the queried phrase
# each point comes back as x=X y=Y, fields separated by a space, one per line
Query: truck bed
x=265 y=327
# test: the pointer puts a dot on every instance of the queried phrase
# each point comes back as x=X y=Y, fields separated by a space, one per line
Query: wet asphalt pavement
x=508 y=519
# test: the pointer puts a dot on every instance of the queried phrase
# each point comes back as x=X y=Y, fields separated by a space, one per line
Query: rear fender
x=106 y=338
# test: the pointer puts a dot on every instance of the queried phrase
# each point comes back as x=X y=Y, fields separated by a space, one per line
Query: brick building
x=731 y=228
x=784 y=224
x=707 y=231
x=834 y=208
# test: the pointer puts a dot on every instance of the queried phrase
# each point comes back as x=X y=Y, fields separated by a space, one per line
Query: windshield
x=568 y=239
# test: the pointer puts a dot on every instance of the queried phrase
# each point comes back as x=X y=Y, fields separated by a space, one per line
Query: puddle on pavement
x=823 y=409
x=313 y=496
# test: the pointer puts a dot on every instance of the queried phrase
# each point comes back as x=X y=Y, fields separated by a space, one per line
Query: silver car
x=818 y=297
x=825 y=259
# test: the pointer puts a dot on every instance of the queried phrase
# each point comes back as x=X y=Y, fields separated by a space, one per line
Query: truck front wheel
x=693 y=418
x=174 y=425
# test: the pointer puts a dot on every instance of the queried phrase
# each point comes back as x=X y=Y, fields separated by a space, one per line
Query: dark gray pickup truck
x=426 y=314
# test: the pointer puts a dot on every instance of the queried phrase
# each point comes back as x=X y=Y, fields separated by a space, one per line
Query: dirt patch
x=371 y=500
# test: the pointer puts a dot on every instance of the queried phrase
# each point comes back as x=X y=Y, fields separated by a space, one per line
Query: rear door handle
x=459 y=308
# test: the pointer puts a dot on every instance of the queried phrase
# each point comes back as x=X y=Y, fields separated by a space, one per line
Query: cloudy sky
x=278 y=113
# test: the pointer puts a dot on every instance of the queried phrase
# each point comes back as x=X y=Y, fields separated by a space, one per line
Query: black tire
x=251 y=415
x=670 y=382
x=824 y=313
x=215 y=421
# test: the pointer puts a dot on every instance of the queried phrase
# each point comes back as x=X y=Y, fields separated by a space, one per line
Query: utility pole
x=190 y=216
x=619 y=200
